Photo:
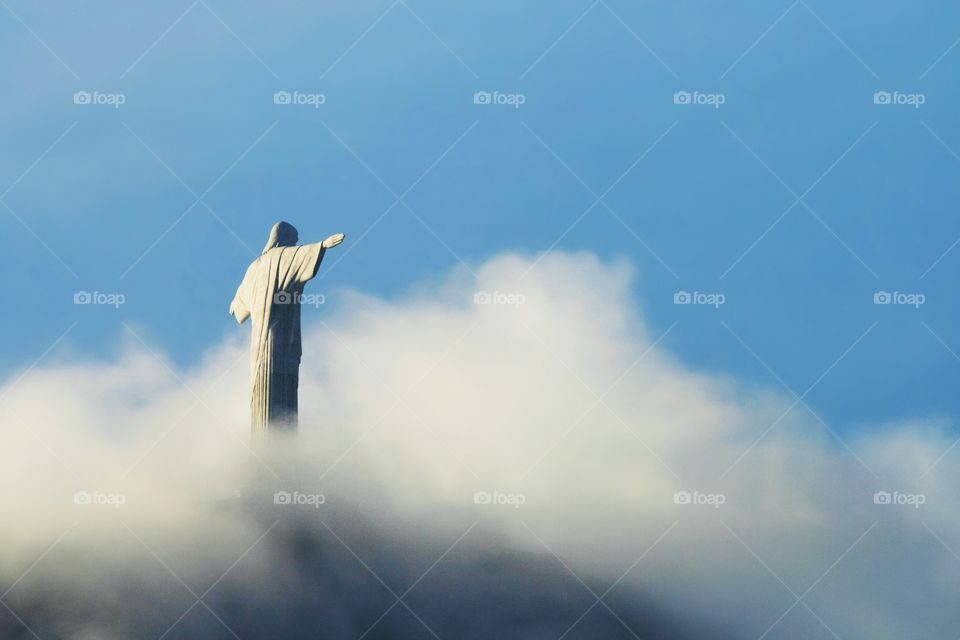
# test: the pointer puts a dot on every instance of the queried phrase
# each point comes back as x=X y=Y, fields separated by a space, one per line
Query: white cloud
x=410 y=406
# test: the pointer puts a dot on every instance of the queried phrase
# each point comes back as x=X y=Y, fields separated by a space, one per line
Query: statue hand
x=332 y=241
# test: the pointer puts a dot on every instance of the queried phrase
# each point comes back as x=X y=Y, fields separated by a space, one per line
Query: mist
x=514 y=455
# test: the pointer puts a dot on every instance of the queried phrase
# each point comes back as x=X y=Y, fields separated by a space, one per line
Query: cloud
x=529 y=425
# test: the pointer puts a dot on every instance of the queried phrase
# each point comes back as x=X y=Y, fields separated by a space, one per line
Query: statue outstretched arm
x=329 y=243
x=240 y=307
x=239 y=312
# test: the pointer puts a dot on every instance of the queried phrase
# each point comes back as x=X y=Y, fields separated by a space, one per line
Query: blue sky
x=99 y=198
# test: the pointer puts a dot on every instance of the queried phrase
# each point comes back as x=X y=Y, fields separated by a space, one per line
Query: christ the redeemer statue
x=270 y=294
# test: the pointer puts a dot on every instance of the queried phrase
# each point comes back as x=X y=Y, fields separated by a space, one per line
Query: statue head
x=283 y=234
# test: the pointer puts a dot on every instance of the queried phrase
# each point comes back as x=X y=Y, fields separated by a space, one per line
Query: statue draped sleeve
x=240 y=307
x=301 y=264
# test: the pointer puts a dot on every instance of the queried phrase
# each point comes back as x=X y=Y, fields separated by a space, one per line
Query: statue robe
x=270 y=296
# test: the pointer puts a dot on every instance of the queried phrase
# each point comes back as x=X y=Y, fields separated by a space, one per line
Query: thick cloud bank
x=515 y=457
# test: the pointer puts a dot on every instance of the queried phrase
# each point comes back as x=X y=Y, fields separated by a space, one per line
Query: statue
x=270 y=294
